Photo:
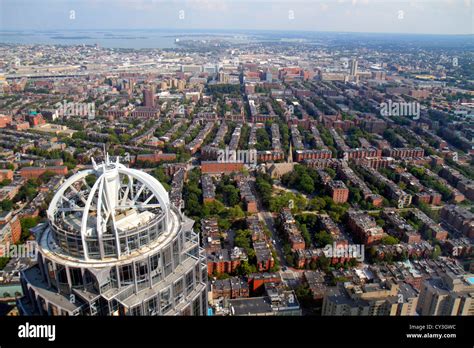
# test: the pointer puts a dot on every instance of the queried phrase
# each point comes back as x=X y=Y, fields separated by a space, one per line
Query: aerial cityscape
x=206 y=171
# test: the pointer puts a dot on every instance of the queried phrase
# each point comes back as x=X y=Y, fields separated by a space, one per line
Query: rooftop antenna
x=106 y=155
x=94 y=164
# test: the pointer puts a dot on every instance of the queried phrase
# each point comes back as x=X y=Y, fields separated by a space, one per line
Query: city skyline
x=161 y=158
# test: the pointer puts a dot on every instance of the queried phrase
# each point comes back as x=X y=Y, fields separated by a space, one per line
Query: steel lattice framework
x=116 y=189
x=115 y=245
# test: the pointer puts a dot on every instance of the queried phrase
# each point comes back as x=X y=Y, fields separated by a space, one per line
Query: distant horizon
x=166 y=38
x=418 y=17
x=236 y=30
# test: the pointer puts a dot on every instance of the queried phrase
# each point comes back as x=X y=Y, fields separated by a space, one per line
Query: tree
x=389 y=240
x=231 y=195
x=6 y=205
x=222 y=276
x=27 y=191
x=159 y=173
x=242 y=239
x=322 y=239
x=436 y=252
x=263 y=185
x=331 y=172
x=316 y=204
x=26 y=224
x=79 y=135
x=323 y=263
x=235 y=213
x=193 y=207
x=306 y=184
x=224 y=224
x=290 y=259
x=263 y=140
x=303 y=293
x=5 y=182
x=299 y=202
x=355 y=193
x=212 y=208
x=245 y=268
x=3 y=262
x=305 y=234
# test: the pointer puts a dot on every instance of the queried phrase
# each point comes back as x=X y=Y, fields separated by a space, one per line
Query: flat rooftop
x=246 y=306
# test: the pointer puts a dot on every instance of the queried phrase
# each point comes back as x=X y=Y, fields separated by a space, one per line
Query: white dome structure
x=116 y=244
x=99 y=218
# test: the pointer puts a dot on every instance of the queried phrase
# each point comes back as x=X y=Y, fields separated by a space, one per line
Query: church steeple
x=290 y=154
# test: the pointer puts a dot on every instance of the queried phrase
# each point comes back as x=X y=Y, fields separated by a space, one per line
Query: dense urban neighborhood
x=305 y=179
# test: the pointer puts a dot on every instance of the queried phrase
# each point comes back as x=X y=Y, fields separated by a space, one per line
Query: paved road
x=267 y=218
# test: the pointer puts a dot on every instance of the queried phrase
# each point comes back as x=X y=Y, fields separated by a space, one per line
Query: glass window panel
x=165 y=300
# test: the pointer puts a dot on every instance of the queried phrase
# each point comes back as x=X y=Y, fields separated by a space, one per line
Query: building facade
x=115 y=245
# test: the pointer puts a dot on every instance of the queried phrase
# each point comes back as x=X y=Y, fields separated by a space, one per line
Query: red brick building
x=364 y=227
x=230 y=288
x=301 y=155
x=376 y=200
x=6 y=174
x=36 y=120
x=412 y=238
x=258 y=280
x=362 y=153
x=338 y=191
x=432 y=197
x=217 y=265
x=156 y=157
x=18 y=126
x=405 y=152
x=264 y=256
x=212 y=167
x=5 y=120
x=291 y=231
x=270 y=156
x=10 y=230
x=35 y=172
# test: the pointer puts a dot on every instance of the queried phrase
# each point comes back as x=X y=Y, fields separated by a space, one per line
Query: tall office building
x=372 y=299
x=353 y=67
x=115 y=245
x=268 y=76
x=149 y=97
x=447 y=295
x=223 y=77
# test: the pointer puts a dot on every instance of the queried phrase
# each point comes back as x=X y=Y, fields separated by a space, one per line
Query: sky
x=371 y=16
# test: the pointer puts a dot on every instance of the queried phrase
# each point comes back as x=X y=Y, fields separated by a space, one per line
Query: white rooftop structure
x=115 y=245
x=107 y=201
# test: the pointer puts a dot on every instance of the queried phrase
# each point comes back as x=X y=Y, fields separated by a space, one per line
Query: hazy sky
x=394 y=16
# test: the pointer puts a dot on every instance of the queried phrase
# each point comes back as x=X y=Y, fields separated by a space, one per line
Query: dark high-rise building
x=149 y=97
x=353 y=67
